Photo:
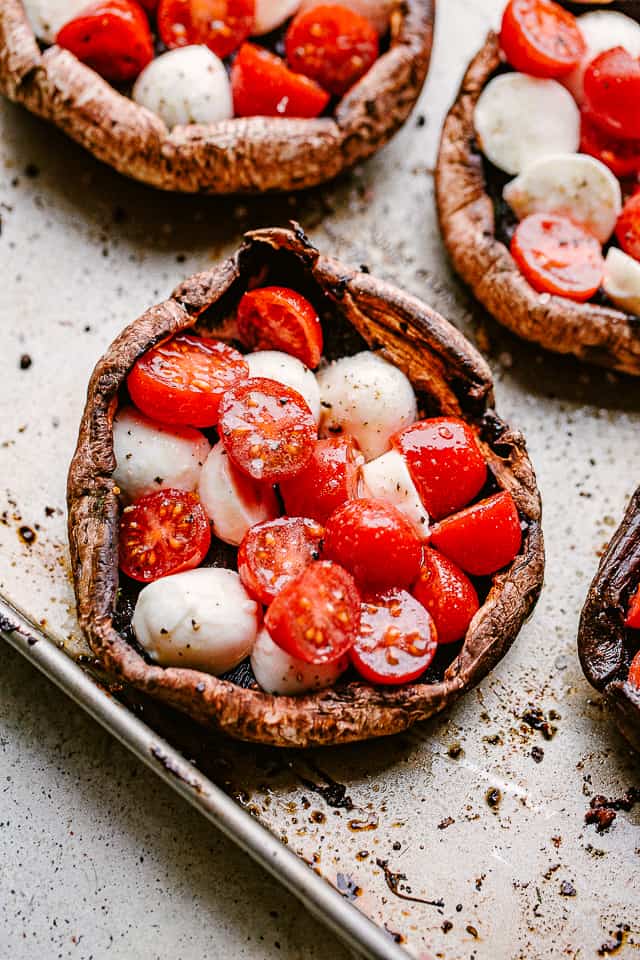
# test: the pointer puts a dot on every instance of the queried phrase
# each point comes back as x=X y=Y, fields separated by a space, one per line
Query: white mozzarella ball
x=48 y=16
x=270 y=14
x=202 y=619
x=367 y=397
x=602 y=30
x=388 y=478
x=377 y=12
x=151 y=456
x=278 y=672
x=519 y=119
x=186 y=85
x=622 y=280
x=232 y=501
x=572 y=185
x=283 y=368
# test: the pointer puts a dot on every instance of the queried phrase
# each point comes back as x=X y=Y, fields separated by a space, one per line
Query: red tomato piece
x=628 y=227
x=633 y=613
x=263 y=86
x=182 y=380
x=557 y=256
x=267 y=429
x=316 y=616
x=621 y=156
x=275 y=552
x=276 y=318
x=448 y=595
x=333 y=45
x=374 y=542
x=149 y=5
x=482 y=538
x=112 y=37
x=222 y=25
x=444 y=461
x=612 y=93
x=163 y=533
x=327 y=481
x=397 y=639
x=538 y=37
x=634 y=671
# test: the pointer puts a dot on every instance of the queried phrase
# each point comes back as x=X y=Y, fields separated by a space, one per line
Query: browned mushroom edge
x=468 y=220
x=449 y=377
x=249 y=155
x=603 y=640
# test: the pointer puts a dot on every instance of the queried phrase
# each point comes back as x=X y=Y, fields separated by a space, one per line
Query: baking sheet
x=465 y=837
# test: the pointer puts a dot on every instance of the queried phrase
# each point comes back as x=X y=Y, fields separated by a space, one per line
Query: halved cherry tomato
x=183 y=379
x=628 y=227
x=538 y=37
x=263 y=85
x=375 y=542
x=267 y=429
x=444 y=461
x=333 y=45
x=276 y=318
x=612 y=93
x=327 y=481
x=633 y=613
x=222 y=25
x=634 y=671
x=149 y=5
x=275 y=552
x=557 y=256
x=397 y=639
x=163 y=533
x=621 y=156
x=112 y=37
x=448 y=595
x=316 y=616
x=483 y=538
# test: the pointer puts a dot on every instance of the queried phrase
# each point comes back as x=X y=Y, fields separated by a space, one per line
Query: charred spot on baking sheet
x=493 y=798
x=333 y=793
x=27 y=534
x=25 y=361
x=617 y=939
x=535 y=718
x=603 y=810
x=398 y=885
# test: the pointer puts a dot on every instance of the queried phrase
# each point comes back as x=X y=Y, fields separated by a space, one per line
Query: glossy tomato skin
x=444 y=461
x=628 y=227
x=275 y=552
x=397 y=639
x=612 y=93
x=634 y=671
x=557 y=256
x=328 y=480
x=221 y=25
x=277 y=318
x=267 y=429
x=112 y=37
x=621 y=156
x=263 y=86
x=333 y=45
x=182 y=380
x=633 y=612
x=316 y=616
x=482 y=538
x=448 y=594
x=163 y=533
x=375 y=542
x=540 y=38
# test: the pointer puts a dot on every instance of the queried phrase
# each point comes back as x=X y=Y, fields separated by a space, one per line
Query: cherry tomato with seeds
x=612 y=93
x=633 y=613
x=621 y=156
x=276 y=318
x=267 y=429
x=316 y=616
x=112 y=37
x=222 y=25
x=275 y=552
x=448 y=594
x=333 y=45
x=628 y=227
x=482 y=538
x=182 y=380
x=163 y=533
x=397 y=639
x=540 y=38
x=328 y=480
x=634 y=671
x=557 y=256
x=263 y=86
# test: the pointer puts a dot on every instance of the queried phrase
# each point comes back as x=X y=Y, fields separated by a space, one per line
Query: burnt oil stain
x=333 y=793
x=348 y=887
x=535 y=718
x=617 y=940
x=603 y=810
x=493 y=797
x=370 y=823
x=27 y=535
x=396 y=883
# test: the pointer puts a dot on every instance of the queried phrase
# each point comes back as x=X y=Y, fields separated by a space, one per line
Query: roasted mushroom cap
x=603 y=642
x=470 y=227
x=251 y=155
x=449 y=377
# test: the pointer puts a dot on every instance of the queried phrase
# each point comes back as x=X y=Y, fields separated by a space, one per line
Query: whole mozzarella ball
x=270 y=14
x=278 y=672
x=47 y=17
x=282 y=367
x=233 y=502
x=377 y=12
x=202 y=619
x=367 y=397
x=186 y=85
x=151 y=456
x=388 y=478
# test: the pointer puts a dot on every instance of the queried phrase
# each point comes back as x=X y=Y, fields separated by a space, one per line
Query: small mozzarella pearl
x=278 y=672
x=186 y=85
